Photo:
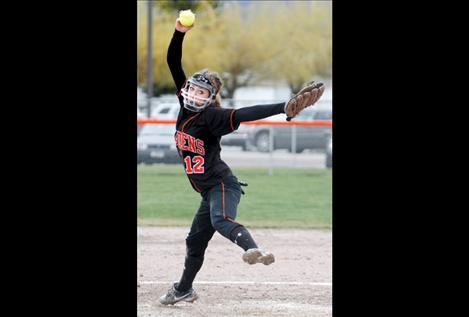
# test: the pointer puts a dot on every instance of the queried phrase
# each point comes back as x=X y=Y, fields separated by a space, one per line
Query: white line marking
x=243 y=282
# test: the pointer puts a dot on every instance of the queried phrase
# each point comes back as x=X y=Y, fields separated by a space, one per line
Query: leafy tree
x=177 y=5
x=280 y=41
x=306 y=43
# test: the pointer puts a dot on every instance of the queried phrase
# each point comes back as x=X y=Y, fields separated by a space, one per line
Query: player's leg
x=224 y=200
x=196 y=242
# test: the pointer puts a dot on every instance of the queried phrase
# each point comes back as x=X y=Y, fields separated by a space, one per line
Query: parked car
x=329 y=154
x=238 y=137
x=166 y=110
x=155 y=144
x=142 y=105
x=307 y=137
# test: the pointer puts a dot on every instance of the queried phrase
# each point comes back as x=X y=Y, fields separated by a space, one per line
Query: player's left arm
x=257 y=112
x=221 y=121
x=306 y=97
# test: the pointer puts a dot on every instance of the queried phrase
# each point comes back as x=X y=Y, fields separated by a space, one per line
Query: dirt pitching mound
x=297 y=284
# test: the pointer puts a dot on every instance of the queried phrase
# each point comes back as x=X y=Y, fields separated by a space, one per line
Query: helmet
x=190 y=102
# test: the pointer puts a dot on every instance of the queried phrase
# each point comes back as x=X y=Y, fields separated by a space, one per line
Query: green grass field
x=291 y=198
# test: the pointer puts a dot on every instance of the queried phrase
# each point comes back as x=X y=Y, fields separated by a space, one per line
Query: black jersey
x=198 y=134
x=197 y=138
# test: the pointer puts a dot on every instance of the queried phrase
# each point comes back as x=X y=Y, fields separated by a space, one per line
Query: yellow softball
x=186 y=17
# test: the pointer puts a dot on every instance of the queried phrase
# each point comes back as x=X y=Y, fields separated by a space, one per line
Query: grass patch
x=291 y=198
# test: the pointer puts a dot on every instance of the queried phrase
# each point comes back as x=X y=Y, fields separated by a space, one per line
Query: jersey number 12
x=198 y=167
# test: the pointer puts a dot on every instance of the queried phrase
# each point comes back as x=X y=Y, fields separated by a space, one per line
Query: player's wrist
x=179 y=33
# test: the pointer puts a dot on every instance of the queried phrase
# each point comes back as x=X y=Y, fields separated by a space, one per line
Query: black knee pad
x=235 y=231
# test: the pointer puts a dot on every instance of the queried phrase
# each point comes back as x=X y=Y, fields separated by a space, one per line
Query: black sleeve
x=220 y=120
x=257 y=112
x=174 y=59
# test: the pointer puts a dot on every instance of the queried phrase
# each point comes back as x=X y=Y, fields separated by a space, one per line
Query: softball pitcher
x=200 y=125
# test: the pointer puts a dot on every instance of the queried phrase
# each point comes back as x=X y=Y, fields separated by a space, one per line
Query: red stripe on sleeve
x=231 y=119
x=179 y=93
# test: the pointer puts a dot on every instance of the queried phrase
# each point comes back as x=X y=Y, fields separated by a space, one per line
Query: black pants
x=217 y=212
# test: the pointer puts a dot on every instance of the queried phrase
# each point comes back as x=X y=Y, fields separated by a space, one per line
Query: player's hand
x=182 y=28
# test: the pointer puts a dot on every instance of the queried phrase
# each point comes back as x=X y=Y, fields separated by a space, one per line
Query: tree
x=241 y=42
x=289 y=42
x=195 y=53
x=306 y=43
x=176 y=5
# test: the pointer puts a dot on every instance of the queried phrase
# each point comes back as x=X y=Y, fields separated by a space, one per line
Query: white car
x=166 y=110
x=155 y=144
x=329 y=154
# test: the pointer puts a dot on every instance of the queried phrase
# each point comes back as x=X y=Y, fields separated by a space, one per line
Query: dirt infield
x=297 y=284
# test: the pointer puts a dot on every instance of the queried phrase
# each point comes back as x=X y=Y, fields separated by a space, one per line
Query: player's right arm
x=174 y=56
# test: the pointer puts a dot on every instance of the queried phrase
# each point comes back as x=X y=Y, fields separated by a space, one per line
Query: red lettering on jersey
x=178 y=139
x=187 y=142
x=200 y=146
x=191 y=140
x=198 y=167
x=187 y=161
x=198 y=164
x=183 y=145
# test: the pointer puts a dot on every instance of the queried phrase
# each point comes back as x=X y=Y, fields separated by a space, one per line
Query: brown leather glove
x=306 y=97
